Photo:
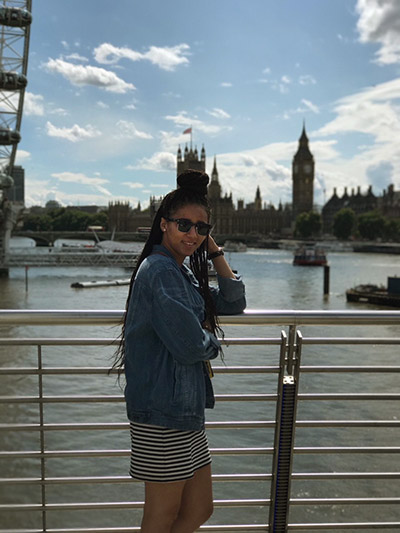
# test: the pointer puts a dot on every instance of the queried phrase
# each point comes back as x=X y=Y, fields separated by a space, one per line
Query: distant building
x=358 y=202
x=16 y=193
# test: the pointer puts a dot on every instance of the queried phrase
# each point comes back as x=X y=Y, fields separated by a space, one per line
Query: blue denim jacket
x=165 y=345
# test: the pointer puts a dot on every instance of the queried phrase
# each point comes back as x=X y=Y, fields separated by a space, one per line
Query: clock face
x=307 y=169
x=296 y=168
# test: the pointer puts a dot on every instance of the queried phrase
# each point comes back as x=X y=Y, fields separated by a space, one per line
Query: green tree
x=392 y=229
x=308 y=224
x=344 y=223
x=371 y=225
x=38 y=223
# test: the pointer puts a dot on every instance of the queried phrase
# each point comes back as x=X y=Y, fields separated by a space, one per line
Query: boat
x=309 y=255
x=233 y=246
x=376 y=294
x=99 y=283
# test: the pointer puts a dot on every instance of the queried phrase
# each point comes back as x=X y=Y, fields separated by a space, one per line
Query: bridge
x=48 y=238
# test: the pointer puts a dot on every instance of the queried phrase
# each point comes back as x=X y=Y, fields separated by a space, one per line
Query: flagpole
x=191 y=133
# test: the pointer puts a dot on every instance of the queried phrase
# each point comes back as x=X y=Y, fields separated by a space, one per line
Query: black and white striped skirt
x=161 y=454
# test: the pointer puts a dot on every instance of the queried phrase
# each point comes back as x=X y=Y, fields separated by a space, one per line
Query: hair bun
x=194 y=180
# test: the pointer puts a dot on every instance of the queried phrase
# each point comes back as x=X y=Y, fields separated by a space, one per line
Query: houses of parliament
x=228 y=219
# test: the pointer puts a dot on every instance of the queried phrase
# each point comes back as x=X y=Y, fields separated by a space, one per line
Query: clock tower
x=302 y=177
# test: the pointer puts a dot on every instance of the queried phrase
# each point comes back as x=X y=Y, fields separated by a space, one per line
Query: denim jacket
x=167 y=383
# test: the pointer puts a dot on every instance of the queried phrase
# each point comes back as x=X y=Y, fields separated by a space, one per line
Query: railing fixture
x=306 y=374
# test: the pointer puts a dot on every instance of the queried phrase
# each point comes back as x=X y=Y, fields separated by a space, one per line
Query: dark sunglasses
x=185 y=225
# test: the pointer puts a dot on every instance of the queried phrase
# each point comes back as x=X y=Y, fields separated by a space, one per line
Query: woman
x=168 y=338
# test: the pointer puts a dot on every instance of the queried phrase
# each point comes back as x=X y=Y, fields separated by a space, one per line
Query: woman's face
x=182 y=244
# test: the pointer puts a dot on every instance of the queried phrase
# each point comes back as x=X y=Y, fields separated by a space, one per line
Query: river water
x=272 y=282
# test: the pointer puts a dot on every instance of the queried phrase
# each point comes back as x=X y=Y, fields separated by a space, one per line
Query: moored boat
x=376 y=295
x=310 y=255
x=233 y=246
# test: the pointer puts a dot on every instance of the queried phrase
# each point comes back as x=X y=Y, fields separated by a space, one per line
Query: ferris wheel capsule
x=6 y=181
x=14 y=16
x=12 y=81
x=8 y=136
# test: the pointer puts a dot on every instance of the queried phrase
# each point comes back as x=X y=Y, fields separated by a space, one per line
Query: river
x=272 y=282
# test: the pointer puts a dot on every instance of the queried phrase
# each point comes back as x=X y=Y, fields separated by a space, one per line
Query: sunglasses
x=185 y=225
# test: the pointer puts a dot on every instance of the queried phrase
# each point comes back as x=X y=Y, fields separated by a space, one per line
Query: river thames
x=272 y=282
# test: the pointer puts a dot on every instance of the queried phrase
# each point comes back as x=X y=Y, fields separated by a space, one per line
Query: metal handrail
x=291 y=319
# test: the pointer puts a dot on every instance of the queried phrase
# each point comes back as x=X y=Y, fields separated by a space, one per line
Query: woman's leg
x=179 y=507
x=196 y=504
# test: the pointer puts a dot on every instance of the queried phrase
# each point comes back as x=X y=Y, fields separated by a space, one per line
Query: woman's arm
x=220 y=263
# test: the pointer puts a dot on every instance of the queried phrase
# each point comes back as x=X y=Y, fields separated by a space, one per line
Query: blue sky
x=113 y=85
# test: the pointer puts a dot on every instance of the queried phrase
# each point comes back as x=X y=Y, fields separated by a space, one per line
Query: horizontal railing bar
x=117 y=505
x=344 y=525
x=345 y=501
x=333 y=369
x=119 y=453
x=346 y=449
x=259 y=502
x=217 y=370
x=214 y=527
x=345 y=475
x=120 y=398
x=218 y=397
x=272 y=317
x=112 y=426
x=104 y=370
x=119 y=479
x=216 y=477
x=351 y=340
x=83 y=341
x=209 y=425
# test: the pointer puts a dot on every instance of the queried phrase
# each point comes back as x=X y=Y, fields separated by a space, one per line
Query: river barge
x=310 y=255
x=376 y=295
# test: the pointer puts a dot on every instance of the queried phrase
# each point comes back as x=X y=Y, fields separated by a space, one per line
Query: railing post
x=284 y=430
x=42 y=439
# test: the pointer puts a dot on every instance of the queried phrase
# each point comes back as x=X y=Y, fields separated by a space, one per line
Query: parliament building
x=229 y=219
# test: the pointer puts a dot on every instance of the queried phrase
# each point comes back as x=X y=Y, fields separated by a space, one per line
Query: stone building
x=358 y=202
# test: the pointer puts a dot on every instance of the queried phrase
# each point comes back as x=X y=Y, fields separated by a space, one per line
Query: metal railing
x=317 y=457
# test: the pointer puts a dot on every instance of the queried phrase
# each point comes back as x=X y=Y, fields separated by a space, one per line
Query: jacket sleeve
x=175 y=322
x=230 y=296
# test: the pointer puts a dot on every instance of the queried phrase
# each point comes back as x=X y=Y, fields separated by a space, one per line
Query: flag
x=188 y=130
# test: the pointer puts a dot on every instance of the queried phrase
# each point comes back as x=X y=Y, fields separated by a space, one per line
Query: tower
x=302 y=177
x=214 y=188
x=190 y=159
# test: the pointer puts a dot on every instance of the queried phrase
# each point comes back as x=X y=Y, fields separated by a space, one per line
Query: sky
x=112 y=86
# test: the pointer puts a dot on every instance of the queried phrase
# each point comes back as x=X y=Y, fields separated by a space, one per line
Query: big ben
x=303 y=177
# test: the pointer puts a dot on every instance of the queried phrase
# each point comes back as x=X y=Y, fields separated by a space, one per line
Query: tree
x=38 y=223
x=308 y=224
x=343 y=223
x=371 y=225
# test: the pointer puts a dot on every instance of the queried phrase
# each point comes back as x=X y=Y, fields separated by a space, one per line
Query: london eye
x=15 y=22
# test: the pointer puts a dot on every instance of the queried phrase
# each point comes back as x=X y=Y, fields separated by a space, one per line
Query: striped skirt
x=161 y=454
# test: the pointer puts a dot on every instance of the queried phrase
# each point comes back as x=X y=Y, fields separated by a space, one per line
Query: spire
x=214 y=174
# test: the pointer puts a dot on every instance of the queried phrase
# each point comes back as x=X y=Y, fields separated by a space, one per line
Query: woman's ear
x=163 y=224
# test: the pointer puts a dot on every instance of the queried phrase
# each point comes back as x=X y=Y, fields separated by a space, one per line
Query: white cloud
x=166 y=58
x=102 y=105
x=77 y=57
x=218 y=113
x=159 y=162
x=183 y=120
x=22 y=156
x=78 y=177
x=379 y=22
x=129 y=130
x=33 y=104
x=226 y=84
x=74 y=134
x=134 y=185
x=309 y=105
x=307 y=79
x=81 y=75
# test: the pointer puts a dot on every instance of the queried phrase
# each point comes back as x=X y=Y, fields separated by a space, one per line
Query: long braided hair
x=192 y=190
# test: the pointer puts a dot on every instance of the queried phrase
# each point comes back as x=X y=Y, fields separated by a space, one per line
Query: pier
x=70 y=259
